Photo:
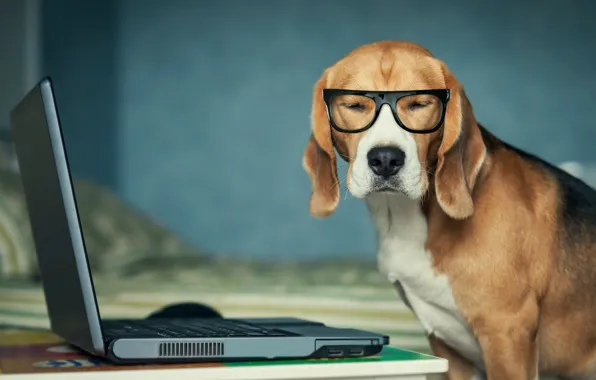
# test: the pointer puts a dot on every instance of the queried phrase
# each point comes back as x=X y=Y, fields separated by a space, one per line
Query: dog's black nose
x=385 y=161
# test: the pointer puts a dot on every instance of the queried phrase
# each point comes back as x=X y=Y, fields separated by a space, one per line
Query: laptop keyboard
x=187 y=328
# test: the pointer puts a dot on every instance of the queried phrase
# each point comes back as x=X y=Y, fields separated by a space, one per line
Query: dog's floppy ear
x=319 y=159
x=461 y=154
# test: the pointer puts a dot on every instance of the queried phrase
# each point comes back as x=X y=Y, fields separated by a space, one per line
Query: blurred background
x=185 y=123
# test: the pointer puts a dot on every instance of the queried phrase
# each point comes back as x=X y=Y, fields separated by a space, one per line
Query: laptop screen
x=55 y=224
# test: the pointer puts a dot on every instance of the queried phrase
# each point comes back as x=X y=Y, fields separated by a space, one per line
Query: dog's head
x=395 y=134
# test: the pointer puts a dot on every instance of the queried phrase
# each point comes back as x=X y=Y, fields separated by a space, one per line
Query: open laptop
x=69 y=289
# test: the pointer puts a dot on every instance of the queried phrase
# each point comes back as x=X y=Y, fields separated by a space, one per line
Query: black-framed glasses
x=416 y=111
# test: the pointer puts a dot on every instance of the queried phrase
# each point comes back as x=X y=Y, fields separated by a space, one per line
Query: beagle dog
x=493 y=249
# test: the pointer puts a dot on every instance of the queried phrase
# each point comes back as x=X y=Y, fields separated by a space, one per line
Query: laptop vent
x=190 y=349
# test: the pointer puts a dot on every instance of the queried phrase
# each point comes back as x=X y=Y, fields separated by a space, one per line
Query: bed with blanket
x=140 y=266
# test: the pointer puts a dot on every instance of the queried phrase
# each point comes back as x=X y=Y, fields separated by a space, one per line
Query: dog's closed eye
x=413 y=106
x=354 y=106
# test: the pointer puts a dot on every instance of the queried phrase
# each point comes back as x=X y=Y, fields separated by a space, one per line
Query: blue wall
x=205 y=105
x=79 y=52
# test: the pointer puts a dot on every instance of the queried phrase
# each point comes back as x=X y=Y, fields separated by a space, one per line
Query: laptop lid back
x=49 y=194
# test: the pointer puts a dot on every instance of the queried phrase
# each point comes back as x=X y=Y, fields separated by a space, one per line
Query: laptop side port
x=356 y=351
x=335 y=352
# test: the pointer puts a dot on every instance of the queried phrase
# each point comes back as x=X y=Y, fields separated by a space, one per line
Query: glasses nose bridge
x=389 y=99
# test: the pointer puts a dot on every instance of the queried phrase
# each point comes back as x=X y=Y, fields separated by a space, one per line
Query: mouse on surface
x=186 y=310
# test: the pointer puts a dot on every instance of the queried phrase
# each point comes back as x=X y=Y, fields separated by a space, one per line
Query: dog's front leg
x=459 y=368
x=509 y=347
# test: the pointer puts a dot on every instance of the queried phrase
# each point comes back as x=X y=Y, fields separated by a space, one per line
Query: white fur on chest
x=402 y=259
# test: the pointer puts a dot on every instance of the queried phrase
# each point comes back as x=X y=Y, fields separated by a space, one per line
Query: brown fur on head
x=454 y=154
